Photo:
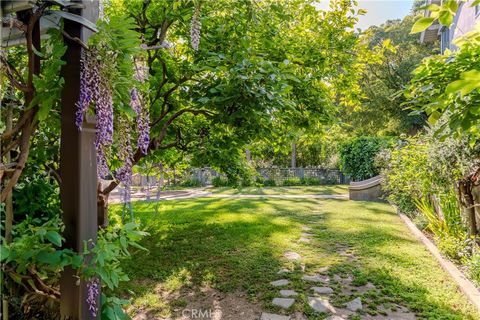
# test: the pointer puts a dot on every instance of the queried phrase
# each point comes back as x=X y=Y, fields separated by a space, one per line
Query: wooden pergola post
x=78 y=170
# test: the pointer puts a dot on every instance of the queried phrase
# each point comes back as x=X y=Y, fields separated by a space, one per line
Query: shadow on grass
x=236 y=244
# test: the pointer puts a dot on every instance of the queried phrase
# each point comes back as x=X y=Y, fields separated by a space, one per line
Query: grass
x=237 y=245
x=324 y=190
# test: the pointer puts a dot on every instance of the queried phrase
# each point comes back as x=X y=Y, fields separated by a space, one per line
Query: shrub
x=219 y=182
x=269 y=183
x=357 y=156
x=191 y=183
x=407 y=175
x=311 y=181
x=37 y=197
x=473 y=267
x=292 y=182
x=452 y=247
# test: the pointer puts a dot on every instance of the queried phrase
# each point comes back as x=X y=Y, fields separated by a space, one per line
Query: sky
x=378 y=11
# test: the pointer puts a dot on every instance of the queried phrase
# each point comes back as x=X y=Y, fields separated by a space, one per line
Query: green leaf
x=108 y=313
x=452 y=6
x=422 y=24
x=432 y=7
x=4 y=252
x=434 y=116
x=54 y=237
x=49 y=258
x=74 y=17
x=77 y=261
x=445 y=17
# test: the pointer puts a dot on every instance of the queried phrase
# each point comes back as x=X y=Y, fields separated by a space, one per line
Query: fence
x=281 y=176
x=316 y=175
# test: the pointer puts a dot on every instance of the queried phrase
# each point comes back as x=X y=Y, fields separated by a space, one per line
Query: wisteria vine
x=93 y=291
x=95 y=90
x=195 y=28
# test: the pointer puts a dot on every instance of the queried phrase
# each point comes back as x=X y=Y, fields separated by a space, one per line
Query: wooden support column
x=78 y=170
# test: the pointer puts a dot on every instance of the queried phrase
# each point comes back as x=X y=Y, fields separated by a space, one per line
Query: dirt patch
x=207 y=304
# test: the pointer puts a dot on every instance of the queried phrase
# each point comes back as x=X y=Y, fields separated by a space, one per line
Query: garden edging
x=465 y=285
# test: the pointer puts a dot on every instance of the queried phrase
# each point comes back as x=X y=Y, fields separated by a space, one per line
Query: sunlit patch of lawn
x=296 y=190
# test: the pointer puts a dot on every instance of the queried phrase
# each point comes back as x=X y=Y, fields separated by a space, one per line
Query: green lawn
x=331 y=189
x=236 y=246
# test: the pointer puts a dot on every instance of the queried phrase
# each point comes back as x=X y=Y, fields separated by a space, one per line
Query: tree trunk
x=465 y=187
x=248 y=154
x=102 y=207
x=294 y=155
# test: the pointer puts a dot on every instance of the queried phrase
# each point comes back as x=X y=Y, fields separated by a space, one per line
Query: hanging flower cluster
x=89 y=89
x=94 y=88
x=93 y=290
x=195 y=28
x=143 y=118
x=125 y=152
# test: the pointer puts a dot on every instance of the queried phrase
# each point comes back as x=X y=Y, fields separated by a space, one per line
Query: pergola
x=77 y=150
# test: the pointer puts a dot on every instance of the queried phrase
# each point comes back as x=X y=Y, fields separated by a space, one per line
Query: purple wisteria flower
x=104 y=113
x=102 y=166
x=94 y=89
x=93 y=291
x=143 y=118
x=125 y=152
x=85 y=90
x=195 y=28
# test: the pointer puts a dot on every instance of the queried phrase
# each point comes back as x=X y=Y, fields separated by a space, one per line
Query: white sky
x=378 y=11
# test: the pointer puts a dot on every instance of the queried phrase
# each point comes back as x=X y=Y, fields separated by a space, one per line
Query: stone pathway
x=323 y=289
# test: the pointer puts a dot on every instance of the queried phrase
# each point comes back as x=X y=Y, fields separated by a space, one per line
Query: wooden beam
x=78 y=171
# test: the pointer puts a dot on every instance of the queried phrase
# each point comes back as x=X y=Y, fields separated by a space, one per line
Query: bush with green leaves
x=191 y=183
x=357 y=156
x=268 y=183
x=407 y=175
x=473 y=266
x=292 y=182
x=37 y=196
x=33 y=261
x=219 y=182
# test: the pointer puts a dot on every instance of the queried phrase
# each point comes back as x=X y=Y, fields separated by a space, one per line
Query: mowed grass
x=323 y=190
x=237 y=245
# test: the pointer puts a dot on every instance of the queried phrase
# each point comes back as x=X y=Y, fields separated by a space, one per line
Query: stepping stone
x=370 y=286
x=288 y=293
x=279 y=283
x=320 y=305
x=323 y=269
x=322 y=290
x=292 y=255
x=284 y=303
x=281 y=271
x=306 y=235
x=315 y=278
x=304 y=228
x=271 y=316
x=335 y=318
x=355 y=304
x=342 y=280
x=303 y=239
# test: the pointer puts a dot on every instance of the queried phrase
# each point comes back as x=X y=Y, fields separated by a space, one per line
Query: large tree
x=390 y=54
x=260 y=68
